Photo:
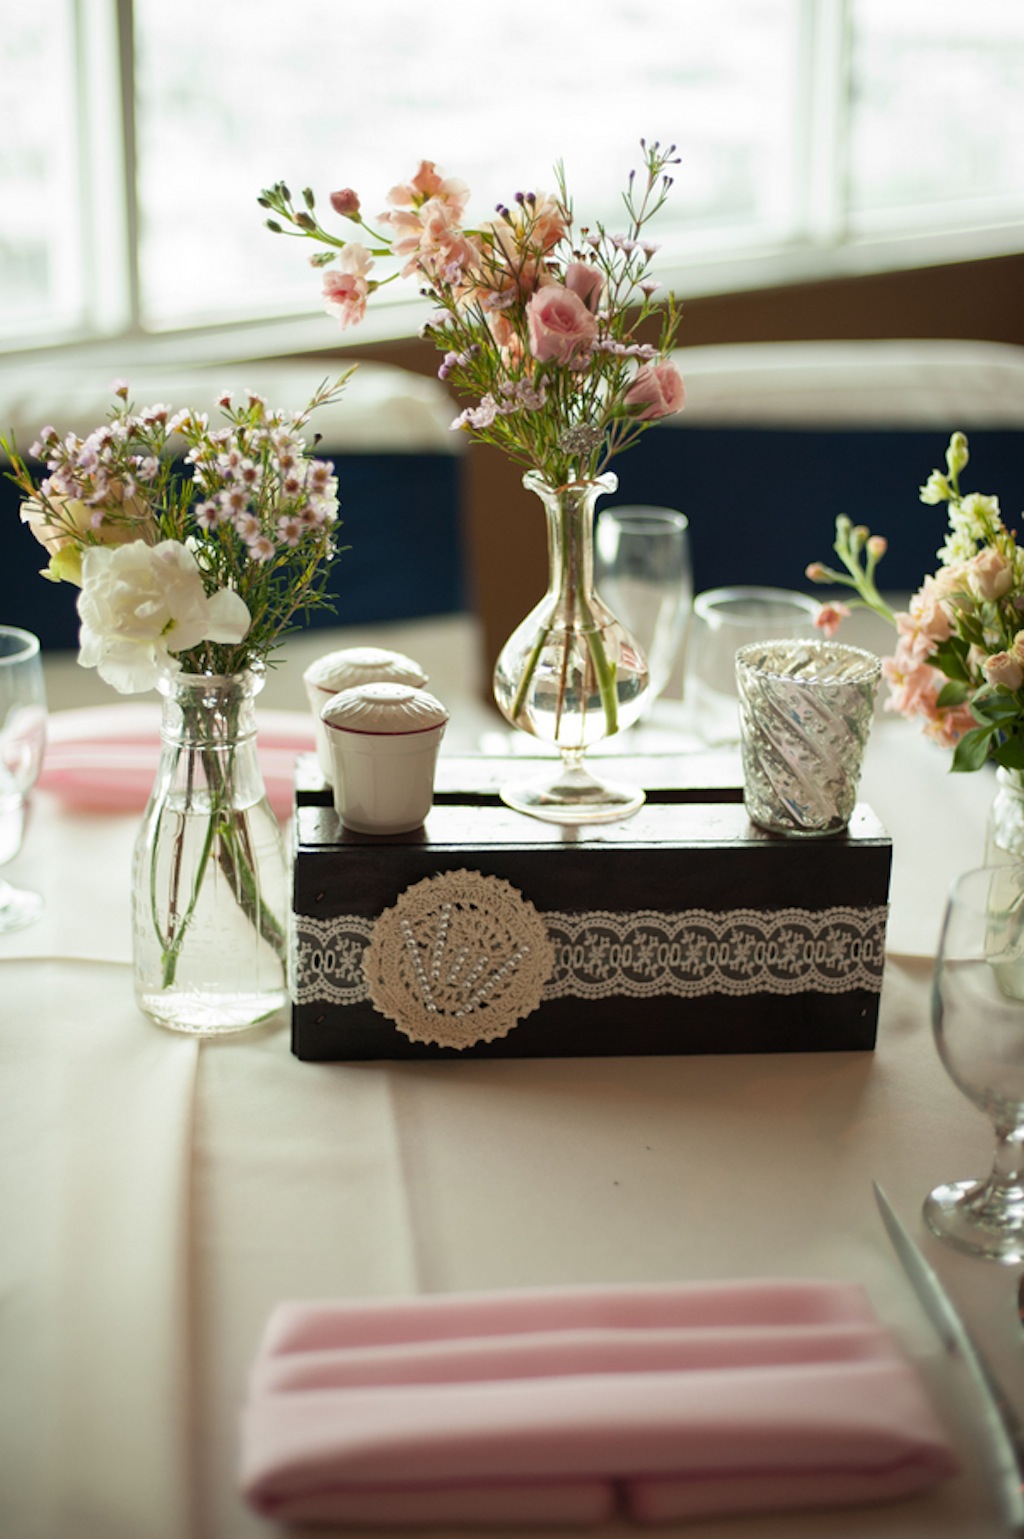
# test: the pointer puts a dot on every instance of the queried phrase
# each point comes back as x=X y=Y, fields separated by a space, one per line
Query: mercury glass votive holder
x=806 y=709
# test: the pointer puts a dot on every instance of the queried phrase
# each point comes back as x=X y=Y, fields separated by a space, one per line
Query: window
x=810 y=132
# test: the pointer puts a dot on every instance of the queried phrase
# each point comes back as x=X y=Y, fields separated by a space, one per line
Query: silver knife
x=1003 y=1433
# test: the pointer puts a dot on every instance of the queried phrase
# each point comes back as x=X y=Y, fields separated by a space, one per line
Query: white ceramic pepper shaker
x=328 y=675
x=383 y=740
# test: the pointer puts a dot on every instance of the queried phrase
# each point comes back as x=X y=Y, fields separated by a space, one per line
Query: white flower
x=141 y=603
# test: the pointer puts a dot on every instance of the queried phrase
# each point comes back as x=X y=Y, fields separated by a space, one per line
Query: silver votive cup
x=805 y=715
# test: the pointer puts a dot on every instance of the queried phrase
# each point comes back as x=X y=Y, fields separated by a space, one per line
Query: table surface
x=161 y=1194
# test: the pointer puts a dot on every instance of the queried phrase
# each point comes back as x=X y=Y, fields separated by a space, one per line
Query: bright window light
x=138 y=133
x=357 y=95
x=42 y=276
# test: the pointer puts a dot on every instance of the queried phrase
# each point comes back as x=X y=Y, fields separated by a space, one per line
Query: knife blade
x=1002 y=1431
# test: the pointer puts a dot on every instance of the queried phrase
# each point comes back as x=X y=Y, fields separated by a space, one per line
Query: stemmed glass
x=22 y=741
x=978 y=1016
x=644 y=575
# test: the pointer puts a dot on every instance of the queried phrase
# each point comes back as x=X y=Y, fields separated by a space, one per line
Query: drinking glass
x=978 y=1017
x=725 y=619
x=645 y=578
x=22 y=741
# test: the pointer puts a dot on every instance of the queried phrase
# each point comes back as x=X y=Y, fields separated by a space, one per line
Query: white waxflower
x=141 y=603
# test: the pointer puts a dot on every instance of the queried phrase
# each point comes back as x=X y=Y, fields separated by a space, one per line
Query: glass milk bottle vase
x=571 y=674
x=210 y=875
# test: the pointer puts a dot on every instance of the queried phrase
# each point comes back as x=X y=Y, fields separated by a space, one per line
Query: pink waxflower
x=586 y=281
x=658 y=391
x=346 y=203
x=560 y=325
x=830 y=617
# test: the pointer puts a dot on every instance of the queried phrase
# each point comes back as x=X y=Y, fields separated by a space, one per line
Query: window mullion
x=824 y=112
x=107 y=157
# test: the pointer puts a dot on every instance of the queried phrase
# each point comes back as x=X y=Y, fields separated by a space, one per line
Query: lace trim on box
x=637 y=955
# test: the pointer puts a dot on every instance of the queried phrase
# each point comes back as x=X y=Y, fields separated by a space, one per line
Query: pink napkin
x=104 y=758
x=572 y=1405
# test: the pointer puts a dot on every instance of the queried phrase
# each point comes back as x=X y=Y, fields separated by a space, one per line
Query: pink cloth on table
x=571 y=1405
x=104 y=758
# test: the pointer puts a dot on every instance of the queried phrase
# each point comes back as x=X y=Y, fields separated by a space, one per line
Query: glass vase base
x=978 y=1219
x=211 y=1015
x=573 y=796
x=18 y=908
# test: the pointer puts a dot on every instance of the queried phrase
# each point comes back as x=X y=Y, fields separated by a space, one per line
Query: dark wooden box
x=751 y=942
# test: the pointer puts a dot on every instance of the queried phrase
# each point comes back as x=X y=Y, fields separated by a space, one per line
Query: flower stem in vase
x=571 y=675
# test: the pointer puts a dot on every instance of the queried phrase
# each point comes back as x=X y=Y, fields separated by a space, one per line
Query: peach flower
x=830 y=617
x=1005 y=669
x=989 y=574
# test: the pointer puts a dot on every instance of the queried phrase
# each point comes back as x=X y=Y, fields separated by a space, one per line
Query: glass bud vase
x=571 y=674
x=210 y=894
x=1004 y=835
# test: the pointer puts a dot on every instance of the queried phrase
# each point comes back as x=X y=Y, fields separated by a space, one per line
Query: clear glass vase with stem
x=210 y=895
x=978 y=1019
x=571 y=674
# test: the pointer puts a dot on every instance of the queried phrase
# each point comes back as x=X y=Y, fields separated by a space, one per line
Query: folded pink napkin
x=571 y=1405
x=104 y=758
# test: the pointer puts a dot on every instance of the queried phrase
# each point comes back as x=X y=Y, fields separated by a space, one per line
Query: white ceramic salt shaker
x=383 y=740
x=328 y=675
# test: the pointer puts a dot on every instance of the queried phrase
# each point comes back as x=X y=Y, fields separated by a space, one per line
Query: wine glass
x=978 y=1016
x=22 y=741
x=645 y=578
x=725 y=619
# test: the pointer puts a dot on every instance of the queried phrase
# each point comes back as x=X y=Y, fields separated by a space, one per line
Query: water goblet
x=978 y=1019
x=22 y=741
x=725 y=619
x=645 y=577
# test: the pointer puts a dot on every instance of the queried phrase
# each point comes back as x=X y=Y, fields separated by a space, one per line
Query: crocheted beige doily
x=460 y=958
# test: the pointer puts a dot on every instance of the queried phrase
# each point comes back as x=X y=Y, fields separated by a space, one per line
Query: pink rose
x=658 y=390
x=989 y=574
x=585 y=281
x=560 y=325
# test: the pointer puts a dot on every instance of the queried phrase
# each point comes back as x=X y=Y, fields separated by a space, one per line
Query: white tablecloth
x=161 y=1194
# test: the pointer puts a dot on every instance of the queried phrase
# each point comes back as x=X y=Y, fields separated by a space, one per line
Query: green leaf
x=972 y=750
x=950 y=658
x=953 y=693
x=996 y=706
x=1010 y=754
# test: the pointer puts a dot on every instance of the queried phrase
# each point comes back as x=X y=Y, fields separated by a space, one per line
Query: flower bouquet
x=542 y=324
x=189 y=577
x=958 y=664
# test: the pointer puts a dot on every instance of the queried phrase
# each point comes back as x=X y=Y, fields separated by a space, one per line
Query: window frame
x=824 y=242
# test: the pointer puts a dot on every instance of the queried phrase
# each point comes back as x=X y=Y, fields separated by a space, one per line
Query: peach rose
x=1004 y=669
x=658 y=391
x=560 y=325
x=989 y=574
